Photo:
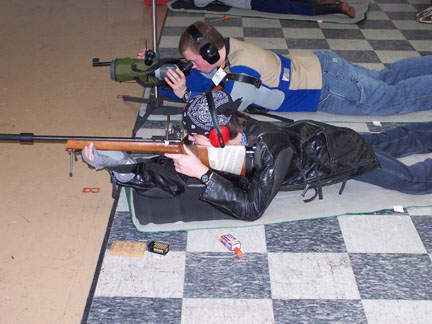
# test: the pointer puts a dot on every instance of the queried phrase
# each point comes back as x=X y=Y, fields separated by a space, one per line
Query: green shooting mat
x=183 y=6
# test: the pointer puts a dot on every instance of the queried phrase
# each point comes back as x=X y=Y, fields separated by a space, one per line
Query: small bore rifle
x=206 y=154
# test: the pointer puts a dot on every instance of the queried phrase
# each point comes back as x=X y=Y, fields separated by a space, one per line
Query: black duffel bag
x=326 y=154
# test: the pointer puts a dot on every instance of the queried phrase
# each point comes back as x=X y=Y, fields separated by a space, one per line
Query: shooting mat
x=218 y=9
x=153 y=215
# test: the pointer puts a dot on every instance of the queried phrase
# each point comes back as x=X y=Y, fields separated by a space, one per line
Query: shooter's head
x=203 y=45
x=213 y=115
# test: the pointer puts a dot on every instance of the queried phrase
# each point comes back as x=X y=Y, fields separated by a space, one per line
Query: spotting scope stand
x=155 y=103
x=151 y=101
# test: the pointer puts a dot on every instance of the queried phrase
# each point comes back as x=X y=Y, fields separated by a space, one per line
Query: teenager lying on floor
x=281 y=159
x=296 y=7
x=320 y=81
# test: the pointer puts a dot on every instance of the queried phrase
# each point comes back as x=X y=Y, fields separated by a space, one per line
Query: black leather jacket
x=281 y=158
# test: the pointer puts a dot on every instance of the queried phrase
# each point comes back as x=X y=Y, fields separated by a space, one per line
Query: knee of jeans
x=325 y=95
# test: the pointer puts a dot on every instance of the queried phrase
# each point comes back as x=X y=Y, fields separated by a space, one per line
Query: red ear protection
x=214 y=138
x=219 y=135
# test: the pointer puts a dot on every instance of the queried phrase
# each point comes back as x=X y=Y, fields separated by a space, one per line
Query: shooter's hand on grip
x=188 y=164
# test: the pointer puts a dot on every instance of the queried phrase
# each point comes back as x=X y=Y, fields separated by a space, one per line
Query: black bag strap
x=243 y=78
x=128 y=168
x=311 y=198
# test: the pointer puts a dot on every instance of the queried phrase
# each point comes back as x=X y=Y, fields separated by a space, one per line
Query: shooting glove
x=109 y=159
x=155 y=177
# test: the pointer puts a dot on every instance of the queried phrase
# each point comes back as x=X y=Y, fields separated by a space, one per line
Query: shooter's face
x=198 y=62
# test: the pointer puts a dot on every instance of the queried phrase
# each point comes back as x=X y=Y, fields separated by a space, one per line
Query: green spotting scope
x=146 y=72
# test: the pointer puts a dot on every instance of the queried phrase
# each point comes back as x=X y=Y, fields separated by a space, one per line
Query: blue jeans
x=402 y=87
x=283 y=6
x=399 y=142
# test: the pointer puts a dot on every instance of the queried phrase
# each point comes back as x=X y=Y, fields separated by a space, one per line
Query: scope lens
x=112 y=70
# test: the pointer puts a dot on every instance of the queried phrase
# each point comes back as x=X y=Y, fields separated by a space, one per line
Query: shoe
x=347 y=10
x=426 y=19
x=425 y=12
x=323 y=8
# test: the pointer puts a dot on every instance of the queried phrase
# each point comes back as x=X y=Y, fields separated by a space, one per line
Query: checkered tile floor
x=370 y=268
x=373 y=268
x=389 y=33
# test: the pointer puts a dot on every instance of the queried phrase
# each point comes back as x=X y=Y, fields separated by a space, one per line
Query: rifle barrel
x=30 y=138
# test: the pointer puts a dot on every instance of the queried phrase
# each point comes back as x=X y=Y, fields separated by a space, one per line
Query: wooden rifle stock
x=128 y=146
x=146 y=146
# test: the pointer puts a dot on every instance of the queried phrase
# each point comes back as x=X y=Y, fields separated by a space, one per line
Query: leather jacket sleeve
x=247 y=198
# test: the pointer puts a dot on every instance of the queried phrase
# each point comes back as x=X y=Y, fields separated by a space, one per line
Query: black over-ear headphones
x=209 y=51
x=219 y=135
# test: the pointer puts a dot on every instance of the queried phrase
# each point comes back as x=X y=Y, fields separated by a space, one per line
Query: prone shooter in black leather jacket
x=281 y=158
x=298 y=155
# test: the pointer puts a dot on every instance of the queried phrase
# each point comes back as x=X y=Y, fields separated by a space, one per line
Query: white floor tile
x=312 y=276
x=122 y=204
x=398 y=311
x=349 y=44
x=397 y=7
x=420 y=210
x=377 y=15
x=311 y=33
x=232 y=31
x=158 y=276
x=411 y=25
x=268 y=43
x=380 y=234
x=383 y=34
x=393 y=56
x=168 y=42
x=422 y=45
x=239 y=311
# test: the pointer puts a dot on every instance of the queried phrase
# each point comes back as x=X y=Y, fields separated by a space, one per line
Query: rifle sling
x=243 y=78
